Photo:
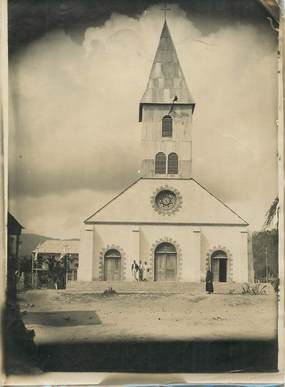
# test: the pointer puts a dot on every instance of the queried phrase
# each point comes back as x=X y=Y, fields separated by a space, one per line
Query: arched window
x=165 y=248
x=172 y=164
x=113 y=253
x=160 y=163
x=167 y=126
x=219 y=254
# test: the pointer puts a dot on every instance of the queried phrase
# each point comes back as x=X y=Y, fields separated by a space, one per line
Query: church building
x=166 y=218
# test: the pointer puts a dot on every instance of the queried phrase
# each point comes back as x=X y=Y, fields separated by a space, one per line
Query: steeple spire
x=165 y=9
x=166 y=80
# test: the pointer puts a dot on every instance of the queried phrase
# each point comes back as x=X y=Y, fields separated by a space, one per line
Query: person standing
x=137 y=273
x=134 y=266
x=57 y=281
x=141 y=271
x=60 y=276
x=209 y=282
x=53 y=273
x=148 y=273
x=145 y=271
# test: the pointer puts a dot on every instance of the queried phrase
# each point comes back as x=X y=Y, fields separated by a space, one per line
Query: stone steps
x=150 y=287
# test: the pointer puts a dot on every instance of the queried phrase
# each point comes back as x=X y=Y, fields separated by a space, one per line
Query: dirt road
x=141 y=317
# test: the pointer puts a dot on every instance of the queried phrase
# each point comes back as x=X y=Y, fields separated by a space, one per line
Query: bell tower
x=165 y=112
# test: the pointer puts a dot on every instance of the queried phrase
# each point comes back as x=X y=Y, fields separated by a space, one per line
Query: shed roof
x=55 y=246
x=14 y=227
x=166 y=79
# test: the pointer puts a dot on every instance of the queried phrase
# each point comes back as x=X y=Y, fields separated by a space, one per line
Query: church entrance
x=219 y=263
x=165 y=262
x=112 y=265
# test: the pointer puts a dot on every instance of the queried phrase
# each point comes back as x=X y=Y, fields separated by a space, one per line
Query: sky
x=75 y=88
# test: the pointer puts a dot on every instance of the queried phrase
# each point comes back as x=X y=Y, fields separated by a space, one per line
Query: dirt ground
x=148 y=316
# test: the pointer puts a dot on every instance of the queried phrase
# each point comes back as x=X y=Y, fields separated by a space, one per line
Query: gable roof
x=54 y=246
x=166 y=78
x=135 y=205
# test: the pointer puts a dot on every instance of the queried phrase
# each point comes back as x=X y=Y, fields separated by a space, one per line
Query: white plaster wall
x=86 y=253
x=198 y=205
x=193 y=244
x=126 y=237
x=183 y=237
x=137 y=243
x=232 y=239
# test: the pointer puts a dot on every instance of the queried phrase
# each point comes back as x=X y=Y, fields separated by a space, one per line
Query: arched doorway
x=219 y=266
x=112 y=265
x=165 y=262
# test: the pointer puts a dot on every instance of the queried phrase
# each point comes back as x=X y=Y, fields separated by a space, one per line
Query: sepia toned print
x=143 y=193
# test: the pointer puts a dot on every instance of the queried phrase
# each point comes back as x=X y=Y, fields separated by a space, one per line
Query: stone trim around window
x=101 y=261
x=170 y=211
x=229 y=256
x=178 y=252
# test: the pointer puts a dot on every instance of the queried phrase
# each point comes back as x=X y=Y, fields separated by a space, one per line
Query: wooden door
x=165 y=267
x=112 y=268
x=170 y=272
x=160 y=266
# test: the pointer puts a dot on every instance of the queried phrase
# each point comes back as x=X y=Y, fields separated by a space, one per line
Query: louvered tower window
x=172 y=164
x=167 y=126
x=160 y=163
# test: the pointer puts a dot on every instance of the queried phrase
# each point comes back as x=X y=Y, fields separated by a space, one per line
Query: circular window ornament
x=166 y=200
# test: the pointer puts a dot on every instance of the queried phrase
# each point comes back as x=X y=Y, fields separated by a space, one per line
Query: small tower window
x=167 y=126
x=172 y=164
x=160 y=163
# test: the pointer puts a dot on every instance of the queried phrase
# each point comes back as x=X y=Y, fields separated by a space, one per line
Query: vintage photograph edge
x=125 y=378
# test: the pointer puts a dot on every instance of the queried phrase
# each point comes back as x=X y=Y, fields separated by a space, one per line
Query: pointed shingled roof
x=166 y=78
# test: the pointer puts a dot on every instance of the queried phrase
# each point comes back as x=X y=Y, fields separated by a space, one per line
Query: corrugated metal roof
x=166 y=78
x=58 y=247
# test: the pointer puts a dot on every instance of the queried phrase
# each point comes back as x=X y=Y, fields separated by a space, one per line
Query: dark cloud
x=102 y=175
x=31 y=19
x=74 y=136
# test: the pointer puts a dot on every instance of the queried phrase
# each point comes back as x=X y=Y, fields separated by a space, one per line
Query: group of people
x=140 y=271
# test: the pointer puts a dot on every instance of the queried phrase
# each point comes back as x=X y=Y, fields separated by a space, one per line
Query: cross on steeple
x=165 y=9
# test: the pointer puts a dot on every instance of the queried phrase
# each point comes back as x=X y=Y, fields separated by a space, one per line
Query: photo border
x=83 y=378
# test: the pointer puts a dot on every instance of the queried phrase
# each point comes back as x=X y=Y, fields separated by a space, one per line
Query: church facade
x=166 y=218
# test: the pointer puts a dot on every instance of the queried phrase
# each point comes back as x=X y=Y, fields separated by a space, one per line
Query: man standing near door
x=209 y=282
x=135 y=271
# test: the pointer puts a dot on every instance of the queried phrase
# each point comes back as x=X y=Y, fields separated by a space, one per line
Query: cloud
x=74 y=110
x=58 y=216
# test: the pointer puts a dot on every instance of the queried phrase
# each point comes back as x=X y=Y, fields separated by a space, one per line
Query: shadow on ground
x=19 y=347
x=200 y=356
x=61 y=318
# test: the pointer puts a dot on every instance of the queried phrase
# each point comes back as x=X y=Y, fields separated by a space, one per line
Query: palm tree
x=272 y=212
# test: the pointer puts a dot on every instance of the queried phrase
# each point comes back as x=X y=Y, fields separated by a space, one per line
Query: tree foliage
x=271 y=213
x=265 y=248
